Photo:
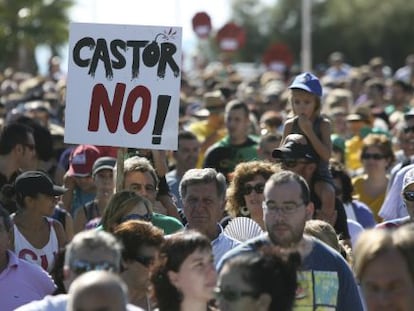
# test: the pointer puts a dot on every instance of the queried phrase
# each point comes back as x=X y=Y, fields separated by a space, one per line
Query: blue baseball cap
x=308 y=82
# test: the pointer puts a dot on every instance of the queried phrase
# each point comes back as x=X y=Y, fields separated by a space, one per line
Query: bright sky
x=145 y=12
x=149 y=12
x=153 y=12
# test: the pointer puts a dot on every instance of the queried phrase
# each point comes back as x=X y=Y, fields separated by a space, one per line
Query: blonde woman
x=123 y=206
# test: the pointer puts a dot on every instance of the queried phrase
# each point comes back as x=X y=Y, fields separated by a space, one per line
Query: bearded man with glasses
x=324 y=279
x=88 y=250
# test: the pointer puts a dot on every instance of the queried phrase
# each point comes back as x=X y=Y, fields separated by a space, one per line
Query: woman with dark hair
x=35 y=236
x=245 y=192
x=141 y=241
x=355 y=209
x=183 y=276
x=259 y=281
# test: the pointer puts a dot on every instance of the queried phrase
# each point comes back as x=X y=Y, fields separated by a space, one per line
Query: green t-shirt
x=167 y=223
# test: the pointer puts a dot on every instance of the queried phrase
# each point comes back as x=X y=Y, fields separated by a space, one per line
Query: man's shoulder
x=49 y=303
x=164 y=218
x=322 y=257
x=167 y=223
x=393 y=223
x=224 y=238
x=247 y=246
x=404 y=170
x=29 y=269
x=222 y=143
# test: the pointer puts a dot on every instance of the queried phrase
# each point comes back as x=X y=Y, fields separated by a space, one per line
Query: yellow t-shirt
x=203 y=130
x=374 y=203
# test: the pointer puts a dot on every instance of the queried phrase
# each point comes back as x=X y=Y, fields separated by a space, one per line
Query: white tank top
x=44 y=257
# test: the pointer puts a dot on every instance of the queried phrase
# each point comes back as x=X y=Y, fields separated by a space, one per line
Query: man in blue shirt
x=325 y=280
x=203 y=192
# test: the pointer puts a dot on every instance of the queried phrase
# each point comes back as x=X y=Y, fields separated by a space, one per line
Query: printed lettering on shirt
x=29 y=255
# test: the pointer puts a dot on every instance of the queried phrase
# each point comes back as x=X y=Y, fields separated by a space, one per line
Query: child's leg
x=326 y=194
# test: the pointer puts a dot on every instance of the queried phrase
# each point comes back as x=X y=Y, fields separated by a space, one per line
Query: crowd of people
x=288 y=191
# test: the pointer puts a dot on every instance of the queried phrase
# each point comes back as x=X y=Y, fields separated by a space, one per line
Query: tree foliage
x=26 y=24
x=361 y=29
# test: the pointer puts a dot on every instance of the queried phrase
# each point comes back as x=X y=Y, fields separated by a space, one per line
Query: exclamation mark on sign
x=162 y=108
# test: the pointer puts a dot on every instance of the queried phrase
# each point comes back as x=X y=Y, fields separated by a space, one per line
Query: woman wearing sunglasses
x=141 y=241
x=123 y=206
x=259 y=281
x=245 y=192
x=377 y=156
x=183 y=276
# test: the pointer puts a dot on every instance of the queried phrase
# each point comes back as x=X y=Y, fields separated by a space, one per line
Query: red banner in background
x=231 y=37
x=278 y=57
x=202 y=25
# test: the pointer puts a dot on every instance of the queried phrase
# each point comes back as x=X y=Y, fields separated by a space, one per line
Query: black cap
x=295 y=150
x=103 y=163
x=33 y=182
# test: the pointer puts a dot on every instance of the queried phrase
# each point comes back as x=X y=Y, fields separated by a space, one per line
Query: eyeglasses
x=287 y=209
x=289 y=163
x=232 y=295
x=258 y=188
x=82 y=266
x=409 y=129
x=374 y=156
x=145 y=260
x=409 y=195
x=146 y=217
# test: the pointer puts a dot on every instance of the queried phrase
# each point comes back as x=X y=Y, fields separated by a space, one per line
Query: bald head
x=98 y=291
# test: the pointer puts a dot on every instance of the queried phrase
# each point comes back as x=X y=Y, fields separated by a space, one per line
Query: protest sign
x=123 y=86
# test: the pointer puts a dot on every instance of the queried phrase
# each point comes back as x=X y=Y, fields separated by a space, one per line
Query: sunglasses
x=82 y=266
x=258 y=188
x=146 y=217
x=145 y=260
x=374 y=156
x=232 y=295
x=409 y=195
x=409 y=129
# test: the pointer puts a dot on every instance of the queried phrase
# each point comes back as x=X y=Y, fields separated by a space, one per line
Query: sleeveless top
x=323 y=172
x=91 y=210
x=44 y=257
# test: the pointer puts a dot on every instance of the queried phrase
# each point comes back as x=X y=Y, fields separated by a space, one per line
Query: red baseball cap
x=82 y=159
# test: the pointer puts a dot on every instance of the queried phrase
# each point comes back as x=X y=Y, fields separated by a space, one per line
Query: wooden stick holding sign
x=120 y=158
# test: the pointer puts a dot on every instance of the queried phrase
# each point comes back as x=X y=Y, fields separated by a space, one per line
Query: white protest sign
x=123 y=86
